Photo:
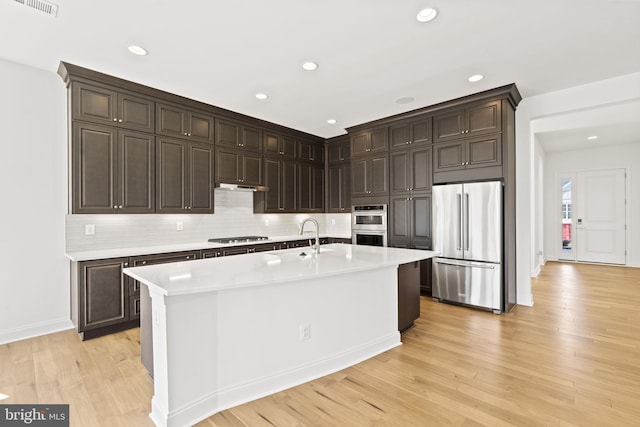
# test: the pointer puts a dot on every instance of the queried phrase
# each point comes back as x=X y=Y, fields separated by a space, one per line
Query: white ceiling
x=371 y=52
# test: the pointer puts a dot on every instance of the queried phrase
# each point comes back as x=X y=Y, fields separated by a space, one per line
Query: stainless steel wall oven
x=369 y=225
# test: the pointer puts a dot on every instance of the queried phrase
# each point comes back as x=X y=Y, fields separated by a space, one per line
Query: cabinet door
x=171 y=120
x=484 y=118
x=227 y=133
x=136 y=172
x=420 y=217
x=200 y=178
x=288 y=147
x=289 y=188
x=400 y=135
x=171 y=164
x=305 y=186
x=449 y=156
x=339 y=151
x=135 y=112
x=399 y=224
x=94 y=169
x=251 y=138
x=484 y=151
x=252 y=169
x=94 y=103
x=420 y=169
x=379 y=177
x=228 y=163
x=360 y=143
x=103 y=294
x=449 y=125
x=200 y=127
x=400 y=171
x=359 y=171
x=421 y=131
x=272 y=143
x=317 y=189
x=379 y=140
x=339 y=188
x=272 y=180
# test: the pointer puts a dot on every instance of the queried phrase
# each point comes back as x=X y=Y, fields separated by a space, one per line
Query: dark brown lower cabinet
x=408 y=295
x=100 y=296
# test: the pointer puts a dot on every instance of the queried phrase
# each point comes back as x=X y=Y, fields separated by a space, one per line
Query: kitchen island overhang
x=230 y=330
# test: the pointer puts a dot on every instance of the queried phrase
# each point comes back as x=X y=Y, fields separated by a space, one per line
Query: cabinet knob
x=189 y=135
x=281 y=153
x=126 y=264
x=119 y=120
x=188 y=256
x=144 y=262
x=241 y=145
x=115 y=119
x=407 y=142
x=185 y=134
x=115 y=207
x=120 y=207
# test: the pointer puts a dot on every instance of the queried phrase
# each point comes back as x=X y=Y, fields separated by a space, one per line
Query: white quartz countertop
x=178 y=247
x=268 y=268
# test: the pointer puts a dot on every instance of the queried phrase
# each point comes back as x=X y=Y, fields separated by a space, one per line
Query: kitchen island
x=230 y=330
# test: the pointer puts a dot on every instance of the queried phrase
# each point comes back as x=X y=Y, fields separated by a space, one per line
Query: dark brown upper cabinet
x=278 y=145
x=339 y=191
x=410 y=170
x=280 y=175
x=469 y=158
x=234 y=134
x=238 y=167
x=106 y=105
x=410 y=133
x=370 y=142
x=310 y=187
x=112 y=170
x=339 y=150
x=369 y=176
x=176 y=121
x=311 y=151
x=184 y=176
x=476 y=119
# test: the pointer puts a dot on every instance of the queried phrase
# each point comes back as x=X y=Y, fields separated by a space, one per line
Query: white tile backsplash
x=233 y=217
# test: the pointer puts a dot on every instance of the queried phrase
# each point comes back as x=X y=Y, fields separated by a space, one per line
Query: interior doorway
x=593 y=216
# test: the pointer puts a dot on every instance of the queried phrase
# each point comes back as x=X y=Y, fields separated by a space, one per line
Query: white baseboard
x=34 y=330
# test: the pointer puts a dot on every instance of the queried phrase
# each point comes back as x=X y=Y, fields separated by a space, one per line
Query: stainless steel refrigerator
x=467 y=233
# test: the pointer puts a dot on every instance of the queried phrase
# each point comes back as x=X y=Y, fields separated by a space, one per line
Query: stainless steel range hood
x=241 y=187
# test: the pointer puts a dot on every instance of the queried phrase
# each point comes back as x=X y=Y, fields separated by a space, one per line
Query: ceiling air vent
x=41 y=5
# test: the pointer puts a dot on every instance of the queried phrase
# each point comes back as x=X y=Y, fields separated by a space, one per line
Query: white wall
x=34 y=289
x=611 y=157
x=593 y=95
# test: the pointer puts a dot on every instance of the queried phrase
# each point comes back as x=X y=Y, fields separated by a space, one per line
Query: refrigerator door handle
x=466 y=221
x=459 y=220
x=466 y=264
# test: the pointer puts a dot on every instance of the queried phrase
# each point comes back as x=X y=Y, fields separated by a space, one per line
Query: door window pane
x=566 y=215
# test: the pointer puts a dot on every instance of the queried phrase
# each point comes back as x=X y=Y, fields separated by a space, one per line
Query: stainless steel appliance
x=467 y=232
x=369 y=225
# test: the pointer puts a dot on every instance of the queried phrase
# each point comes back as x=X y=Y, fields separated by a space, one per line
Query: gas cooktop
x=239 y=239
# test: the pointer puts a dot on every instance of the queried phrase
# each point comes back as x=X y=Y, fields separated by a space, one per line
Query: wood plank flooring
x=571 y=360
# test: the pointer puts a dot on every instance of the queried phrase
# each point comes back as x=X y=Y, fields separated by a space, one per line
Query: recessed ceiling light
x=593 y=137
x=262 y=95
x=310 y=66
x=137 y=50
x=405 y=100
x=476 y=78
x=332 y=121
x=426 y=15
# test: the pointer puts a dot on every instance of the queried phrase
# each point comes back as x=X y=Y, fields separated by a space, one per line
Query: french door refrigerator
x=467 y=233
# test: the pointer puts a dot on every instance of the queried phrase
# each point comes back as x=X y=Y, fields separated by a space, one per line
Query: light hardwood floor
x=571 y=359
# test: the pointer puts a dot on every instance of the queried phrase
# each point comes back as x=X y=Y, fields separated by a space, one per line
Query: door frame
x=557 y=208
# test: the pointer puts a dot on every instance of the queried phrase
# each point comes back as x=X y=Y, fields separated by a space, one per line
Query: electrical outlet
x=305 y=331
x=89 y=229
x=333 y=222
x=266 y=222
x=179 y=226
